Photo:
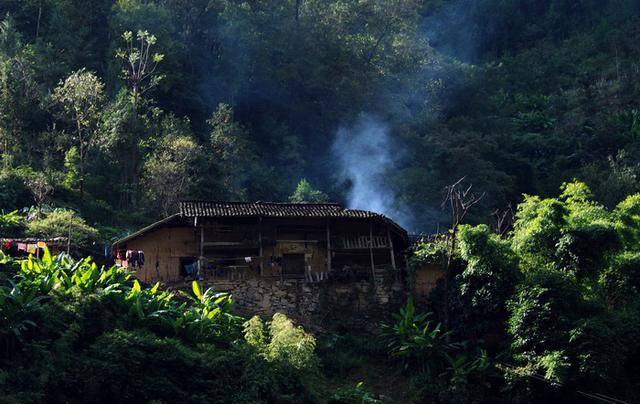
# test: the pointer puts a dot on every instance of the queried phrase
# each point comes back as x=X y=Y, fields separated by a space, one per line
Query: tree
x=305 y=193
x=169 y=171
x=487 y=281
x=140 y=63
x=20 y=93
x=459 y=199
x=81 y=96
x=40 y=187
x=63 y=223
x=234 y=152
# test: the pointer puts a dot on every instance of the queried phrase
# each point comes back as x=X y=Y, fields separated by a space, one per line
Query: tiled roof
x=190 y=209
x=276 y=209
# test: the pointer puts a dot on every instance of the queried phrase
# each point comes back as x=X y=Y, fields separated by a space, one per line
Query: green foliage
x=486 y=283
x=14 y=193
x=139 y=63
x=284 y=343
x=70 y=323
x=354 y=395
x=520 y=98
x=627 y=214
x=430 y=251
x=11 y=223
x=417 y=341
x=63 y=223
x=233 y=149
x=620 y=282
x=72 y=166
x=542 y=313
x=305 y=193
x=537 y=230
x=169 y=172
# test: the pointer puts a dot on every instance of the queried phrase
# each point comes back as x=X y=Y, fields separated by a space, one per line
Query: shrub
x=14 y=193
x=63 y=223
x=284 y=343
x=11 y=224
x=354 y=395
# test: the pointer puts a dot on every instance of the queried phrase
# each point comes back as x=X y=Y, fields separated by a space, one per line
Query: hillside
x=113 y=111
x=243 y=100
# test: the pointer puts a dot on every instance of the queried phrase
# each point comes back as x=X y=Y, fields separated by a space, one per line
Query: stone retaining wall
x=329 y=304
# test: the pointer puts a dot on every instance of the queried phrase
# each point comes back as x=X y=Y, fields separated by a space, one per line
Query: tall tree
x=81 y=95
x=139 y=63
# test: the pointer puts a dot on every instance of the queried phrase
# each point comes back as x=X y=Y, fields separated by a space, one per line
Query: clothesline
x=23 y=245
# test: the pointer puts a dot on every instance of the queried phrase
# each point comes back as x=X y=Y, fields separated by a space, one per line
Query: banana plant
x=16 y=307
x=418 y=341
x=210 y=315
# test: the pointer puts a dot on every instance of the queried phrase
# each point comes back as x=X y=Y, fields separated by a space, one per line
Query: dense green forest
x=549 y=312
x=113 y=111
x=117 y=109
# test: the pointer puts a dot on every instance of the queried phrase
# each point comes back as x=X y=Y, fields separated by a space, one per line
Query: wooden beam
x=328 y=247
x=373 y=268
x=393 y=257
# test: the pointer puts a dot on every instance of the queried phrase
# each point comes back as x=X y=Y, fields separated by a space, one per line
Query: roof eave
x=146 y=229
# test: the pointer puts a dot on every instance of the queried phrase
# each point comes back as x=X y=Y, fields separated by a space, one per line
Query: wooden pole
x=260 y=246
x=373 y=268
x=328 y=247
x=393 y=257
x=201 y=258
x=69 y=240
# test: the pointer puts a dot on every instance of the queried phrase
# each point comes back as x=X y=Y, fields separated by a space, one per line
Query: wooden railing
x=359 y=242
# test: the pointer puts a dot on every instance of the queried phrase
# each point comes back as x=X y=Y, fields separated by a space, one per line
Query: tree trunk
x=135 y=97
x=39 y=18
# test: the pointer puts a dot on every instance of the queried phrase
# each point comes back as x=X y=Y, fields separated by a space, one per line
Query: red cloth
x=7 y=245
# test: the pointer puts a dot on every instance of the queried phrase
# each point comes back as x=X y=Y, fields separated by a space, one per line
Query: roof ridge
x=259 y=202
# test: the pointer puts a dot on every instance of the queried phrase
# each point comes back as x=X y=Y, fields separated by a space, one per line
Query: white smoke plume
x=365 y=154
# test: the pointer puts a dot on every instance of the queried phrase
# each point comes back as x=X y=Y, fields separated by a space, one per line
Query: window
x=293 y=265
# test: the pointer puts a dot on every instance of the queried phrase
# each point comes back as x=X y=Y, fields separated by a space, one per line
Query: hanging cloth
x=134 y=258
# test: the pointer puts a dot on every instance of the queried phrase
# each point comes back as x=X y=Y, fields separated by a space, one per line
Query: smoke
x=450 y=29
x=365 y=155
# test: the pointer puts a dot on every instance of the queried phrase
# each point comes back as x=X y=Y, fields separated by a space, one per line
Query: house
x=218 y=242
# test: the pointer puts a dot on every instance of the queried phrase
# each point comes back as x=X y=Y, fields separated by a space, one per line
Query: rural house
x=219 y=242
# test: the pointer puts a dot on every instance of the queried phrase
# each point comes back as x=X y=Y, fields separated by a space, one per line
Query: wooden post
x=373 y=268
x=328 y=247
x=393 y=258
x=260 y=246
x=201 y=258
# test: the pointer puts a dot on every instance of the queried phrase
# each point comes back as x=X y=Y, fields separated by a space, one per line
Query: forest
x=112 y=111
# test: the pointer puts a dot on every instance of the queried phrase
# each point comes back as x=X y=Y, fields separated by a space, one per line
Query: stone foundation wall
x=331 y=304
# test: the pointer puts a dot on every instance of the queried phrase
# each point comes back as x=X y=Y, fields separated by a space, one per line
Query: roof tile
x=276 y=209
